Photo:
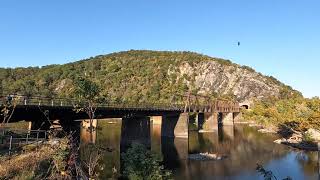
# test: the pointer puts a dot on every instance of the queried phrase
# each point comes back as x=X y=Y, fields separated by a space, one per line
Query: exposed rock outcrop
x=313 y=134
x=298 y=140
x=243 y=83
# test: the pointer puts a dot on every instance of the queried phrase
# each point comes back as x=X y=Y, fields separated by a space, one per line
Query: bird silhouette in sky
x=238 y=43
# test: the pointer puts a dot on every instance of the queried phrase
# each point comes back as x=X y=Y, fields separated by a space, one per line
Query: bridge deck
x=24 y=101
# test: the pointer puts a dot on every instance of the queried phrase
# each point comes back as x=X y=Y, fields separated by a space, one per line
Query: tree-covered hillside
x=152 y=76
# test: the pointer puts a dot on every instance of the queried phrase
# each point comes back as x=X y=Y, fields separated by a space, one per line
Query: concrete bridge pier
x=87 y=124
x=175 y=125
x=174 y=151
x=135 y=130
x=237 y=116
x=229 y=131
x=209 y=122
x=227 y=119
x=155 y=128
x=156 y=120
x=88 y=131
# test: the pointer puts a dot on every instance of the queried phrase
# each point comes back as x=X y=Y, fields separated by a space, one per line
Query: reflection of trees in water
x=108 y=136
x=90 y=159
x=308 y=161
x=194 y=145
x=135 y=130
x=220 y=133
x=209 y=142
x=169 y=151
x=87 y=135
x=175 y=155
x=243 y=151
x=206 y=142
x=252 y=150
x=156 y=138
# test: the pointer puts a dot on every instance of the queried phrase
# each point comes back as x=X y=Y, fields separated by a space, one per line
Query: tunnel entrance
x=244 y=107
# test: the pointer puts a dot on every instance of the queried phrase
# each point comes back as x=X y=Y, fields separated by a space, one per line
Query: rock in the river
x=297 y=141
x=206 y=157
x=255 y=125
x=267 y=131
x=280 y=141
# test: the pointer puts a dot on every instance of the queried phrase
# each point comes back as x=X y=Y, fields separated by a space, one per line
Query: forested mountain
x=147 y=76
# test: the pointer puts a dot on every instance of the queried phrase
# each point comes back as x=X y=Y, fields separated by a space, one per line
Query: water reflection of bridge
x=173 y=150
x=242 y=146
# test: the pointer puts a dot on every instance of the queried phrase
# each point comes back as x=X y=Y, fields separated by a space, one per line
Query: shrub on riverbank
x=140 y=164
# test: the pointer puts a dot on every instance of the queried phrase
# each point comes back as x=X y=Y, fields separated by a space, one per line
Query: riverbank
x=49 y=160
x=306 y=140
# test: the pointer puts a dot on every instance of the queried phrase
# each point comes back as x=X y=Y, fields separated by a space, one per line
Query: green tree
x=8 y=108
x=87 y=92
x=141 y=164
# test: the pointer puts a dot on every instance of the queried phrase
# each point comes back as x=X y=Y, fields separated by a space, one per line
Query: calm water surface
x=243 y=147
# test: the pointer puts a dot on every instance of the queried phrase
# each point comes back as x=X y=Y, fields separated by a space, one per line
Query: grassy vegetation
x=295 y=112
x=44 y=162
x=23 y=125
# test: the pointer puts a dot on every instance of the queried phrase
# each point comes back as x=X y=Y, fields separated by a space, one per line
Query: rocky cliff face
x=243 y=83
x=156 y=75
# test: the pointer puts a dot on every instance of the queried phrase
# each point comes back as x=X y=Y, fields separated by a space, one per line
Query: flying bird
x=238 y=43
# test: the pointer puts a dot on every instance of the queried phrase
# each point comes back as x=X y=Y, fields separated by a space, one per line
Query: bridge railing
x=41 y=101
x=62 y=102
x=218 y=105
x=131 y=105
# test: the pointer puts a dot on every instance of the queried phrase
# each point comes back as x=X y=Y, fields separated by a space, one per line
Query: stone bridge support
x=135 y=130
x=174 y=151
x=155 y=128
x=86 y=123
x=175 y=125
x=208 y=122
x=156 y=120
x=229 y=131
x=88 y=134
x=227 y=119
x=237 y=116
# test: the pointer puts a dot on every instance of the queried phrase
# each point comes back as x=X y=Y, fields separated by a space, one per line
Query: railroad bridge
x=174 y=117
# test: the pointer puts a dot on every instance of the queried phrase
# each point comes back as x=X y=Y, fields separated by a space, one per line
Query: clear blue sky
x=278 y=37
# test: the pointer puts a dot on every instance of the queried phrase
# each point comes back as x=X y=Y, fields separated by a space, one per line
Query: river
x=242 y=146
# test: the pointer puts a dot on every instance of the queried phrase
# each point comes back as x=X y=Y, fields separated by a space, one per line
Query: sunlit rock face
x=233 y=79
x=156 y=75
